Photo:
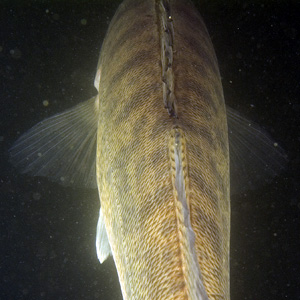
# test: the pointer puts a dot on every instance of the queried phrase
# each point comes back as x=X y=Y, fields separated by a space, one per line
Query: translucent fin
x=102 y=243
x=255 y=157
x=62 y=147
x=97 y=78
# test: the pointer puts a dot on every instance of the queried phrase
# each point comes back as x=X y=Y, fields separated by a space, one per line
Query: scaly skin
x=144 y=217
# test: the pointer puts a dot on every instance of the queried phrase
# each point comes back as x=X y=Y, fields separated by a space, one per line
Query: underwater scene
x=49 y=52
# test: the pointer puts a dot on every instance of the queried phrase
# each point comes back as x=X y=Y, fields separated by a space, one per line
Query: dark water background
x=47 y=238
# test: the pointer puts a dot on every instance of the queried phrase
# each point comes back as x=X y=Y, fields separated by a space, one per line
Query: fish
x=161 y=147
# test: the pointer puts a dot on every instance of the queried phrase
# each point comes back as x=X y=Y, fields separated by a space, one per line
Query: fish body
x=161 y=100
x=155 y=143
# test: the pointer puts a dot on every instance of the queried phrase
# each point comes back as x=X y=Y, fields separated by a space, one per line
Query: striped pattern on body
x=144 y=218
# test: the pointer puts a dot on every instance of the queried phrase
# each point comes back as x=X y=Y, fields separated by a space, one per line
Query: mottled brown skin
x=135 y=168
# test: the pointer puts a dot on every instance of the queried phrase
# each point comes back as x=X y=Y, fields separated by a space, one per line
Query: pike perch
x=155 y=143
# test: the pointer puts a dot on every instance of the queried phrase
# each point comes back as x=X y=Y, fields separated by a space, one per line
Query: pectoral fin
x=254 y=156
x=62 y=147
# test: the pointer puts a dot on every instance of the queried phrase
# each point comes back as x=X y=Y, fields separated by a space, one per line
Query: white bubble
x=36 y=196
x=83 y=21
x=15 y=53
x=46 y=103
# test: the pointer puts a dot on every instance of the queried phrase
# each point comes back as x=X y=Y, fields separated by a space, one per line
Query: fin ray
x=102 y=242
x=255 y=157
x=62 y=147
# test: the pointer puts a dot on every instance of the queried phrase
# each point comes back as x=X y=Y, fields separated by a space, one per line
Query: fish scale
x=131 y=90
x=155 y=143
